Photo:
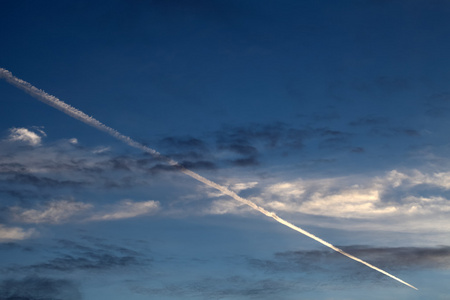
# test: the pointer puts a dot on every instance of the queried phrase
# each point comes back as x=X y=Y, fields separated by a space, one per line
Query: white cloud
x=73 y=141
x=238 y=187
x=14 y=233
x=415 y=177
x=393 y=194
x=58 y=212
x=53 y=212
x=26 y=136
x=127 y=209
x=223 y=206
x=100 y=150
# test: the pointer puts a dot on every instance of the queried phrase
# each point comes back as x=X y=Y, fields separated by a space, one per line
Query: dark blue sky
x=333 y=114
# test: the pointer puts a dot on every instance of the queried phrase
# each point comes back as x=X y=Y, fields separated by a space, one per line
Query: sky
x=332 y=114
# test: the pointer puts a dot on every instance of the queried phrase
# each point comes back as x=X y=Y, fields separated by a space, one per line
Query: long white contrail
x=79 y=115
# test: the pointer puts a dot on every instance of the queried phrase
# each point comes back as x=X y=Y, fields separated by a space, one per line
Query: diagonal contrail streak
x=81 y=116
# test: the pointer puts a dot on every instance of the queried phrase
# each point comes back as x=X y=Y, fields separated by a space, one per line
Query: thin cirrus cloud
x=54 y=212
x=127 y=209
x=64 y=211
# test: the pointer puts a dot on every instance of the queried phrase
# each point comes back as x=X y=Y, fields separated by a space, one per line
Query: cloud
x=87 y=261
x=65 y=211
x=14 y=233
x=394 y=258
x=38 y=288
x=222 y=206
x=250 y=142
x=43 y=181
x=240 y=147
x=396 y=193
x=26 y=136
x=219 y=288
x=245 y=162
x=62 y=165
x=405 y=257
x=127 y=209
x=242 y=186
x=199 y=165
x=53 y=212
x=69 y=256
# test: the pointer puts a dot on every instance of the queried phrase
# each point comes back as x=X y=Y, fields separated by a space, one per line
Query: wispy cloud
x=65 y=211
x=53 y=212
x=8 y=234
x=127 y=209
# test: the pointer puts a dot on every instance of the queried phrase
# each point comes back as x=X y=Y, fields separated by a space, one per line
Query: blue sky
x=332 y=114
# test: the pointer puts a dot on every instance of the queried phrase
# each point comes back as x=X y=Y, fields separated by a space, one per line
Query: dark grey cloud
x=277 y=135
x=12 y=167
x=25 y=176
x=245 y=162
x=395 y=258
x=98 y=256
x=199 y=165
x=87 y=261
x=220 y=288
x=249 y=145
x=404 y=257
x=43 y=181
x=329 y=266
x=39 y=288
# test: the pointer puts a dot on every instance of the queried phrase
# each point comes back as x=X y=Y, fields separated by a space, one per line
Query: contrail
x=79 y=115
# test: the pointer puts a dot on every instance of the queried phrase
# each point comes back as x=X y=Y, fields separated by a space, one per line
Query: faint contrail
x=79 y=115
